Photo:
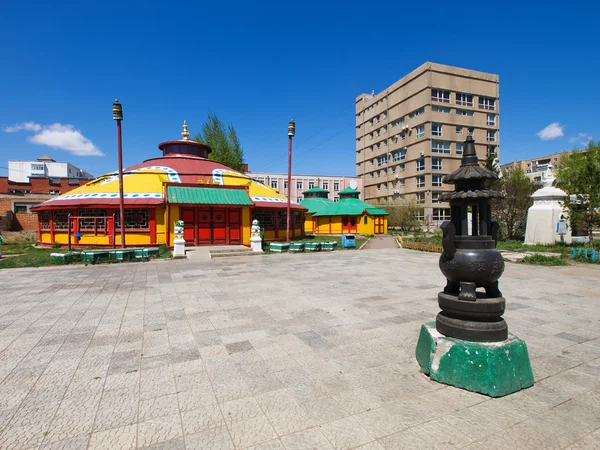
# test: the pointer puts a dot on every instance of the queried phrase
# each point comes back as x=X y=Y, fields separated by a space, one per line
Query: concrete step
x=230 y=250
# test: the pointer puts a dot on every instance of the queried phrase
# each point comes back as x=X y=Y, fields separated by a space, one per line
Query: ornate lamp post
x=118 y=116
x=469 y=345
x=291 y=133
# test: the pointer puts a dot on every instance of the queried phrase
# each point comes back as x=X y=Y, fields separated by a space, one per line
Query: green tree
x=511 y=211
x=224 y=142
x=402 y=213
x=579 y=176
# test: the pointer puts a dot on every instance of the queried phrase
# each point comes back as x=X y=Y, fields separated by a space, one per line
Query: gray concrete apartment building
x=411 y=134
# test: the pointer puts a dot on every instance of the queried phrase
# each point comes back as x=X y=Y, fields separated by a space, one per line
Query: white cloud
x=30 y=126
x=552 y=131
x=57 y=135
x=581 y=138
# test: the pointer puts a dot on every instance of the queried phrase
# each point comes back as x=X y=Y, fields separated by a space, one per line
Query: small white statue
x=255 y=238
x=179 y=241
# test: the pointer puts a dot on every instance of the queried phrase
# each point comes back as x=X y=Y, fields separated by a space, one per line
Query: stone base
x=491 y=368
x=256 y=244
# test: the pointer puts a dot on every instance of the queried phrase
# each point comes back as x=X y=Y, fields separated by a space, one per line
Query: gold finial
x=185 y=134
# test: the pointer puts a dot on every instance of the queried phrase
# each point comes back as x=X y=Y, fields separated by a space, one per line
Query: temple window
x=135 y=219
x=265 y=218
x=92 y=219
x=61 y=219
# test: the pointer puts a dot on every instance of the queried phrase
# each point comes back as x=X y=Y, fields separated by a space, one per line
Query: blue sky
x=257 y=64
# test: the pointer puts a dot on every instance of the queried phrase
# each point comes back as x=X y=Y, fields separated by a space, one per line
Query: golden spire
x=185 y=134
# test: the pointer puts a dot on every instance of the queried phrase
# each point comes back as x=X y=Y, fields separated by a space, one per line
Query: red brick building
x=16 y=199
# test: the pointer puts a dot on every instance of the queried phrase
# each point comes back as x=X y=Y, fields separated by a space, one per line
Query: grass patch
x=519 y=246
x=30 y=256
x=542 y=260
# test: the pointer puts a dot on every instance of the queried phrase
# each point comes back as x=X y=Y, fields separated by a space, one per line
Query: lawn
x=26 y=255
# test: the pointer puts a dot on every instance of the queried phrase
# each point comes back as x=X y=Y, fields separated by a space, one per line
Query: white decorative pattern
x=270 y=199
x=106 y=195
x=172 y=174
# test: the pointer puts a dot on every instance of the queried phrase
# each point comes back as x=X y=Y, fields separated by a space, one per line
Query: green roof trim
x=351 y=207
x=316 y=190
x=314 y=205
x=348 y=191
x=208 y=196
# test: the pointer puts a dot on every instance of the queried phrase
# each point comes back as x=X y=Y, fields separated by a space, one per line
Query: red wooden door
x=187 y=215
x=219 y=226
x=204 y=226
x=235 y=226
x=378 y=225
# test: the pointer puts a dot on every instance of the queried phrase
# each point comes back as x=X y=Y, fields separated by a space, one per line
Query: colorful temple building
x=348 y=215
x=216 y=203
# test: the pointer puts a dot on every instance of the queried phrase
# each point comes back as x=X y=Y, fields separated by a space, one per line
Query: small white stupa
x=547 y=221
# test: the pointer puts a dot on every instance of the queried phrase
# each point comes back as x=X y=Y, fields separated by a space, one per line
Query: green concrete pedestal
x=490 y=368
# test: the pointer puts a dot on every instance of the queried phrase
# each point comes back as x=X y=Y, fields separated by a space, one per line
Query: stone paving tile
x=309 y=439
x=140 y=349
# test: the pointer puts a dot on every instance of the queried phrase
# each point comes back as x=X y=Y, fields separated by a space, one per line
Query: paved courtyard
x=281 y=351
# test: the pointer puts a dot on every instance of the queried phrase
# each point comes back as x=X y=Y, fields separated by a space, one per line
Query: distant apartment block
x=44 y=167
x=301 y=183
x=534 y=168
x=411 y=134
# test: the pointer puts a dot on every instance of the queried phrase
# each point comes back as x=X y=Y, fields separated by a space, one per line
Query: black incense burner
x=470 y=259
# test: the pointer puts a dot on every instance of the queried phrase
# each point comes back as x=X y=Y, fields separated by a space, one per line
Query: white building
x=301 y=183
x=44 y=167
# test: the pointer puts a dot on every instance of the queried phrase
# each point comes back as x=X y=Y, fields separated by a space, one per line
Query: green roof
x=348 y=191
x=316 y=190
x=207 y=196
x=351 y=207
x=314 y=205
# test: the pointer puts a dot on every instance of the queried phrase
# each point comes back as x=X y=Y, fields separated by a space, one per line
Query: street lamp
x=291 y=133
x=118 y=116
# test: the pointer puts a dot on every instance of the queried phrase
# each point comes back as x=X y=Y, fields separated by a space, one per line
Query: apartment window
x=398 y=121
x=385 y=115
x=421 y=131
x=371 y=136
x=491 y=136
x=379 y=187
x=436 y=180
x=274 y=184
x=464 y=112
x=385 y=171
x=491 y=151
x=372 y=162
x=471 y=131
x=19 y=191
x=440 y=96
x=435 y=197
x=311 y=184
x=459 y=130
x=37 y=167
x=459 y=148
x=384 y=129
x=417 y=112
x=436 y=163
x=421 y=181
x=441 y=109
x=54 y=192
x=21 y=207
x=381 y=160
x=378 y=173
x=440 y=146
x=436 y=129
x=464 y=99
x=299 y=185
x=326 y=185
x=285 y=186
x=299 y=199
x=491 y=119
x=420 y=199
x=336 y=199
x=372 y=175
x=487 y=103
x=336 y=186
x=420 y=164
x=440 y=214
x=399 y=155
x=371 y=147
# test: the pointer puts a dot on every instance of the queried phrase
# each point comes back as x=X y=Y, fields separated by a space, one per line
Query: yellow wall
x=322 y=225
x=246 y=226
x=308 y=223
x=368 y=227
x=161 y=220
